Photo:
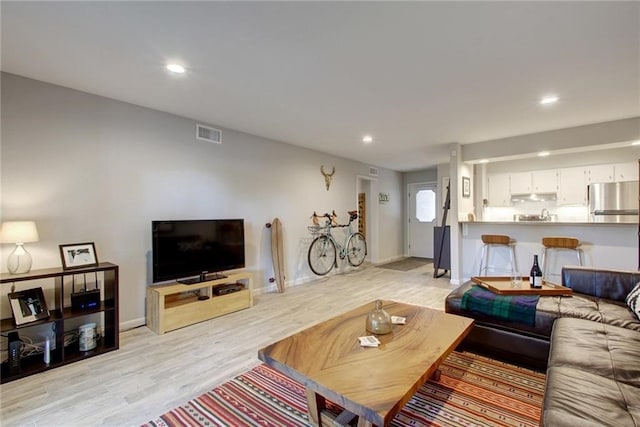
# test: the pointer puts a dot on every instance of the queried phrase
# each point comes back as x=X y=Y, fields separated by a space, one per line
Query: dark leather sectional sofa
x=589 y=345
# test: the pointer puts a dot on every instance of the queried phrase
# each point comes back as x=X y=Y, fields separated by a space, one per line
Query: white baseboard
x=273 y=287
x=387 y=260
x=130 y=324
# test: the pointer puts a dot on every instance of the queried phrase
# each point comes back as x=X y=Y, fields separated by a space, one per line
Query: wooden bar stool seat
x=494 y=241
x=553 y=245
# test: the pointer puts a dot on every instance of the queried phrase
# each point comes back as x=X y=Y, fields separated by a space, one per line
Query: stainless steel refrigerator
x=614 y=202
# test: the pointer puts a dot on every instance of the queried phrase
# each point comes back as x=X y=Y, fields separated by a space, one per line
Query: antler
x=333 y=170
x=327 y=176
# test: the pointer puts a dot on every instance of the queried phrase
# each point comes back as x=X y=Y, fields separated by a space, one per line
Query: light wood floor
x=151 y=374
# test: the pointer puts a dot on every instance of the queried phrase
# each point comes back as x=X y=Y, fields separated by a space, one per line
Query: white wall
x=92 y=169
x=583 y=138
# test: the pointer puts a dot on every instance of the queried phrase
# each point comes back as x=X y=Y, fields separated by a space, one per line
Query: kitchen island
x=604 y=245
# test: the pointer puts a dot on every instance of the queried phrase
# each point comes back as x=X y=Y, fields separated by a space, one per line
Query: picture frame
x=466 y=187
x=78 y=255
x=28 y=306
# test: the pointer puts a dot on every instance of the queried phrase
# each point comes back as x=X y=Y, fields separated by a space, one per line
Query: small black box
x=228 y=288
x=85 y=300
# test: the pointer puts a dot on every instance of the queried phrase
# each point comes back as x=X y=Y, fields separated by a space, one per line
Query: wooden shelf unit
x=63 y=318
x=176 y=305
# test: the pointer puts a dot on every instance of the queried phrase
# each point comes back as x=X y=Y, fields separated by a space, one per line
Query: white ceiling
x=415 y=75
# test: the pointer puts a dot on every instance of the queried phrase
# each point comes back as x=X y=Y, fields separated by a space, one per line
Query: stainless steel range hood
x=533 y=197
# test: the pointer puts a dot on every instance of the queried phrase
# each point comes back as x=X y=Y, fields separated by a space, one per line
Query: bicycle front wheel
x=322 y=255
x=356 y=249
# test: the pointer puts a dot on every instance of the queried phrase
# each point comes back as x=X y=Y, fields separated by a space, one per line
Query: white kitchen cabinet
x=544 y=181
x=520 y=182
x=625 y=171
x=572 y=186
x=499 y=193
x=599 y=173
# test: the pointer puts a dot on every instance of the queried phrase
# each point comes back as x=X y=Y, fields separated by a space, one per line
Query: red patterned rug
x=472 y=391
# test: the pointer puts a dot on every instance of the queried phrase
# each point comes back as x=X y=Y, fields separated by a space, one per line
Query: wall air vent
x=209 y=134
x=373 y=171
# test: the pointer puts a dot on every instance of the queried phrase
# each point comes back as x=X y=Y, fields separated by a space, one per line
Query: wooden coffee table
x=373 y=383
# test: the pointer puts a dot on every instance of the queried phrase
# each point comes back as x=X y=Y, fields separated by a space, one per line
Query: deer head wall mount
x=327 y=176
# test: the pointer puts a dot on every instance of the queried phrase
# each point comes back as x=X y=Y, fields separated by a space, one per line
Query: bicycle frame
x=342 y=248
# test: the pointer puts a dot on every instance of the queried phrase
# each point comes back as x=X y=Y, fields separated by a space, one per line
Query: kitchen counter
x=604 y=245
x=552 y=223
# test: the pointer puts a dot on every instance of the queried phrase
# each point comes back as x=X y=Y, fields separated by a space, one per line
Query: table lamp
x=19 y=232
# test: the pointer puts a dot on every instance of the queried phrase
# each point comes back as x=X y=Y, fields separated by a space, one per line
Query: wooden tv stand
x=176 y=305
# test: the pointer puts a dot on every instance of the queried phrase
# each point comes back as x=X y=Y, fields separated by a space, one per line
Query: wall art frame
x=78 y=255
x=466 y=187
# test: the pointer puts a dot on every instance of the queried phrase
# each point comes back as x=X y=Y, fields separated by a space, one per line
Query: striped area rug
x=472 y=391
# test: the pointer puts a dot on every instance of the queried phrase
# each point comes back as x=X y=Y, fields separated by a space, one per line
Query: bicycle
x=323 y=251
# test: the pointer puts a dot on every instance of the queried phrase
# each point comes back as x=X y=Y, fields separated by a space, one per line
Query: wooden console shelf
x=176 y=305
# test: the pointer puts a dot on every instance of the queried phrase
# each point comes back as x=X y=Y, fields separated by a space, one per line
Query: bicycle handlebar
x=331 y=219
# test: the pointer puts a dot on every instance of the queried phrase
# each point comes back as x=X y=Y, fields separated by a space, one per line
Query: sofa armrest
x=609 y=284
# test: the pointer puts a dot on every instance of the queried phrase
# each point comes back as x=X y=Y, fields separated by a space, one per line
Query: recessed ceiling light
x=175 y=68
x=543 y=154
x=550 y=99
x=636 y=142
x=367 y=139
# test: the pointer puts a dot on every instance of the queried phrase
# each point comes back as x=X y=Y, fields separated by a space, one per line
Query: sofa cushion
x=608 y=284
x=598 y=348
x=593 y=376
x=633 y=300
x=576 y=398
x=587 y=307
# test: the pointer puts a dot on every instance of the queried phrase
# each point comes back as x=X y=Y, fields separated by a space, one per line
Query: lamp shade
x=18 y=232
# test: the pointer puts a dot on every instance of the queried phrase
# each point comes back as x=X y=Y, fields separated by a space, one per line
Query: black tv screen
x=188 y=248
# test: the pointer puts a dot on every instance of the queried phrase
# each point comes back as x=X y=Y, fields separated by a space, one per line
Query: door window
x=426 y=205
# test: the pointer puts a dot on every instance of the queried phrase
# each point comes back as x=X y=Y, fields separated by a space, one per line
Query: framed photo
x=466 y=187
x=28 y=306
x=78 y=255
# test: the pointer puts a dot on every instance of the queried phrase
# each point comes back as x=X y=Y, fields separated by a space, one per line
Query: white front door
x=422 y=218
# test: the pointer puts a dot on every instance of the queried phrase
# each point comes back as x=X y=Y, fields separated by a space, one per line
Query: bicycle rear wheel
x=322 y=255
x=356 y=249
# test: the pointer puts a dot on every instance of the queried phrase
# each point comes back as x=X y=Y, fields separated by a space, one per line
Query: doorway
x=366 y=188
x=421 y=218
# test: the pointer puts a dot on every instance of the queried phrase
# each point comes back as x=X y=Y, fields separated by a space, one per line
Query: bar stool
x=556 y=245
x=497 y=241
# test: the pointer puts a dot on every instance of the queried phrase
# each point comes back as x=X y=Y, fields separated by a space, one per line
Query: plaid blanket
x=515 y=308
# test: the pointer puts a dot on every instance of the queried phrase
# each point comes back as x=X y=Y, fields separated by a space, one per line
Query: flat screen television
x=188 y=248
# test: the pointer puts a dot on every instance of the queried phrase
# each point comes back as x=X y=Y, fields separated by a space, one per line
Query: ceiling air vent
x=209 y=134
x=373 y=171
